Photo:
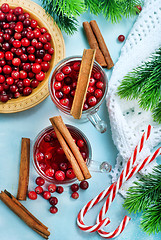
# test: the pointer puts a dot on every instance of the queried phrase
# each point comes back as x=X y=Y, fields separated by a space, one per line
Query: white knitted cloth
x=127 y=119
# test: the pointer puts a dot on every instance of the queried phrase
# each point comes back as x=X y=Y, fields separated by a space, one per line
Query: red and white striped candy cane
x=103 y=222
x=110 y=198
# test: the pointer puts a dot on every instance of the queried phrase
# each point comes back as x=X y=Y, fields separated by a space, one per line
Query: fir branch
x=93 y=5
x=157 y=113
x=130 y=9
x=144 y=192
x=151 y=219
x=144 y=83
x=111 y=10
x=145 y=196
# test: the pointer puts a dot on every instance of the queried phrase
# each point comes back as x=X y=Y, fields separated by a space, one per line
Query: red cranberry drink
x=50 y=160
x=62 y=86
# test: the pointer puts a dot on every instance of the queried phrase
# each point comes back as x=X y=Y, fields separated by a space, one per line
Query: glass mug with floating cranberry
x=49 y=159
x=62 y=86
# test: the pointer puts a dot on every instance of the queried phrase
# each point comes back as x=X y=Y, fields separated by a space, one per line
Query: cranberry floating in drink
x=49 y=159
x=62 y=87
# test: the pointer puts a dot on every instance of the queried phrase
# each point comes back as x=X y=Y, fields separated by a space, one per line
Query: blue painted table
x=28 y=124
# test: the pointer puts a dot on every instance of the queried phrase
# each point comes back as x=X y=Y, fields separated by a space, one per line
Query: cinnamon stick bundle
x=94 y=35
x=70 y=148
x=83 y=82
x=24 y=214
x=24 y=169
x=94 y=44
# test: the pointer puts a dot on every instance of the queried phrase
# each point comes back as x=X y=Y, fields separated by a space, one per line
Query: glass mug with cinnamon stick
x=51 y=162
x=62 y=87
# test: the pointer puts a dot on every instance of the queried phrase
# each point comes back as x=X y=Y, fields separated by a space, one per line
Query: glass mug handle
x=97 y=122
x=95 y=166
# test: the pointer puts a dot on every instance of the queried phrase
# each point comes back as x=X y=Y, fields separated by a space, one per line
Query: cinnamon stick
x=102 y=44
x=10 y=201
x=94 y=44
x=68 y=153
x=24 y=169
x=68 y=138
x=83 y=82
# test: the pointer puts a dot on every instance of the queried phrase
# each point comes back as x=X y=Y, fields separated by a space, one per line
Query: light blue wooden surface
x=28 y=124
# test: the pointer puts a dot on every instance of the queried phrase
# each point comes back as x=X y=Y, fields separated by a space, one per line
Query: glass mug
x=66 y=73
x=48 y=156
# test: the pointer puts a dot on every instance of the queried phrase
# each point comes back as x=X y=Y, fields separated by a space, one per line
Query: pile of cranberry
x=25 y=53
x=51 y=188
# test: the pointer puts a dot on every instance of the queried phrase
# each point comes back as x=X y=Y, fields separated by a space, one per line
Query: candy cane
x=110 y=198
x=99 y=224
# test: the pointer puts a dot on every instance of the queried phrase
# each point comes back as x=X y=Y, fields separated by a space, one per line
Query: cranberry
x=53 y=209
x=64 y=102
x=98 y=93
x=23 y=74
x=32 y=195
x=6 y=37
x=39 y=156
x=47 y=57
x=25 y=42
x=47 y=36
x=70 y=174
x=33 y=23
x=10 y=81
x=36 y=68
x=18 y=11
x=1 y=55
x=46 y=195
x=43 y=39
x=74 y=187
x=121 y=38
x=59 y=189
x=97 y=76
x=39 y=190
x=40 y=53
x=37 y=33
x=34 y=83
x=4 y=98
x=90 y=89
x=27 y=23
x=63 y=166
x=47 y=138
x=66 y=89
x=49 y=172
x=5 y=8
x=60 y=151
x=59 y=76
x=84 y=185
x=43 y=30
x=59 y=175
x=53 y=201
x=27 y=67
x=17 y=95
x=31 y=58
x=26 y=82
x=30 y=35
x=75 y=195
x=6 y=46
x=21 y=17
x=18 y=52
x=40 y=76
x=80 y=143
x=15 y=74
x=27 y=91
x=19 y=27
x=92 y=101
x=92 y=82
x=76 y=66
x=59 y=94
x=66 y=70
x=52 y=188
x=47 y=46
x=2 y=78
x=7 y=69
x=45 y=66
x=16 y=62
x=99 y=84
x=57 y=85
x=50 y=51
x=139 y=8
x=67 y=80
x=2 y=16
x=40 y=181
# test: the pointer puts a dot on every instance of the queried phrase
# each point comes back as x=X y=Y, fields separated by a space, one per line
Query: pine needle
x=145 y=196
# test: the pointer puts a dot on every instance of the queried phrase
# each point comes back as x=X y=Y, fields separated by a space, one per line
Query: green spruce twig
x=145 y=196
x=144 y=84
x=66 y=12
